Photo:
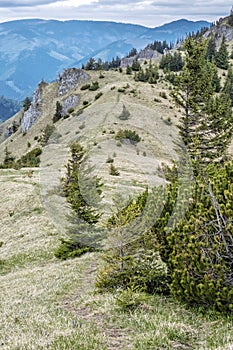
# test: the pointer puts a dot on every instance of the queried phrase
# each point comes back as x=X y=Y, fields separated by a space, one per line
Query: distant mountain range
x=33 y=50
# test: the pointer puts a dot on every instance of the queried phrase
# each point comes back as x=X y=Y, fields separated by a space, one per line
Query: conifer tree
x=222 y=57
x=82 y=192
x=206 y=116
x=228 y=86
x=58 y=113
x=26 y=104
x=201 y=246
x=211 y=49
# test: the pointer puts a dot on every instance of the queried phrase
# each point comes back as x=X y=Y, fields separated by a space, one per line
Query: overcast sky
x=150 y=13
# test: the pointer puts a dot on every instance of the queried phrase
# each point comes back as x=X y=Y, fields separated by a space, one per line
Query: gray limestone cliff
x=69 y=79
x=145 y=54
x=33 y=113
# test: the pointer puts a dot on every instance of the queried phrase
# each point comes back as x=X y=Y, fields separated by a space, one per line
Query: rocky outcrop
x=70 y=102
x=34 y=112
x=146 y=54
x=69 y=79
x=222 y=29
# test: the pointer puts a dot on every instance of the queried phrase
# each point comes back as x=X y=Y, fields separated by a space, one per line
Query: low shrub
x=130 y=135
x=98 y=95
x=85 y=86
x=70 y=249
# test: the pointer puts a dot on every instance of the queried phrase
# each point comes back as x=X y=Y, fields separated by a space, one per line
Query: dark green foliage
x=163 y=94
x=94 y=86
x=85 y=86
x=9 y=160
x=160 y=46
x=26 y=104
x=172 y=78
x=30 y=159
x=211 y=49
x=47 y=133
x=58 y=113
x=216 y=81
x=98 y=95
x=201 y=256
x=139 y=267
x=149 y=75
x=113 y=170
x=12 y=128
x=92 y=64
x=221 y=57
x=228 y=86
x=70 y=249
x=82 y=192
x=109 y=160
x=206 y=116
x=171 y=62
x=130 y=135
x=133 y=52
x=77 y=187
x=130 y=299
x=135 y=66
x=128 y=70
x=133 y=260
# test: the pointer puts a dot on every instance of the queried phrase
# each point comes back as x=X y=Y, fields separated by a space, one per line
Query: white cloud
x=146 y=12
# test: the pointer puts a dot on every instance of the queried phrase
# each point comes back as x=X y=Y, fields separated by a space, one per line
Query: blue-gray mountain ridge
x=34 y=50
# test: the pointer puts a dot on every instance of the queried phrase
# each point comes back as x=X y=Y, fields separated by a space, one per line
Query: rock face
x=70 y=102
x=34 y=112
x=69 y=79
x=223 y=29
x=145 y=54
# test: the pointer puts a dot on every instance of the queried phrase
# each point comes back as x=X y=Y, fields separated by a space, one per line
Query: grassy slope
x=95 y=128
x=50 y=304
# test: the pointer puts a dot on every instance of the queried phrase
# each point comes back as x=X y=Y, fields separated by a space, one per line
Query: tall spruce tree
x=228 y=86
x=82 y=192
x=211 y=49
x=222 y=57
x=206 y=116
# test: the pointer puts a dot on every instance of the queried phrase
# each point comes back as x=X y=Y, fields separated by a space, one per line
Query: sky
x=149 y=13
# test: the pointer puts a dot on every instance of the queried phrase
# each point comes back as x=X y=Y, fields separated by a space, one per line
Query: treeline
x=99 y=64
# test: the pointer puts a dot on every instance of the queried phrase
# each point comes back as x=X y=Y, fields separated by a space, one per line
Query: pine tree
x=58 y=113
x=222 y=57
x=211 y=49
x=82 y=192
x=78 y=188
x=206 y=116
x=26 y=104
x=228 y=86
x=201 y=247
